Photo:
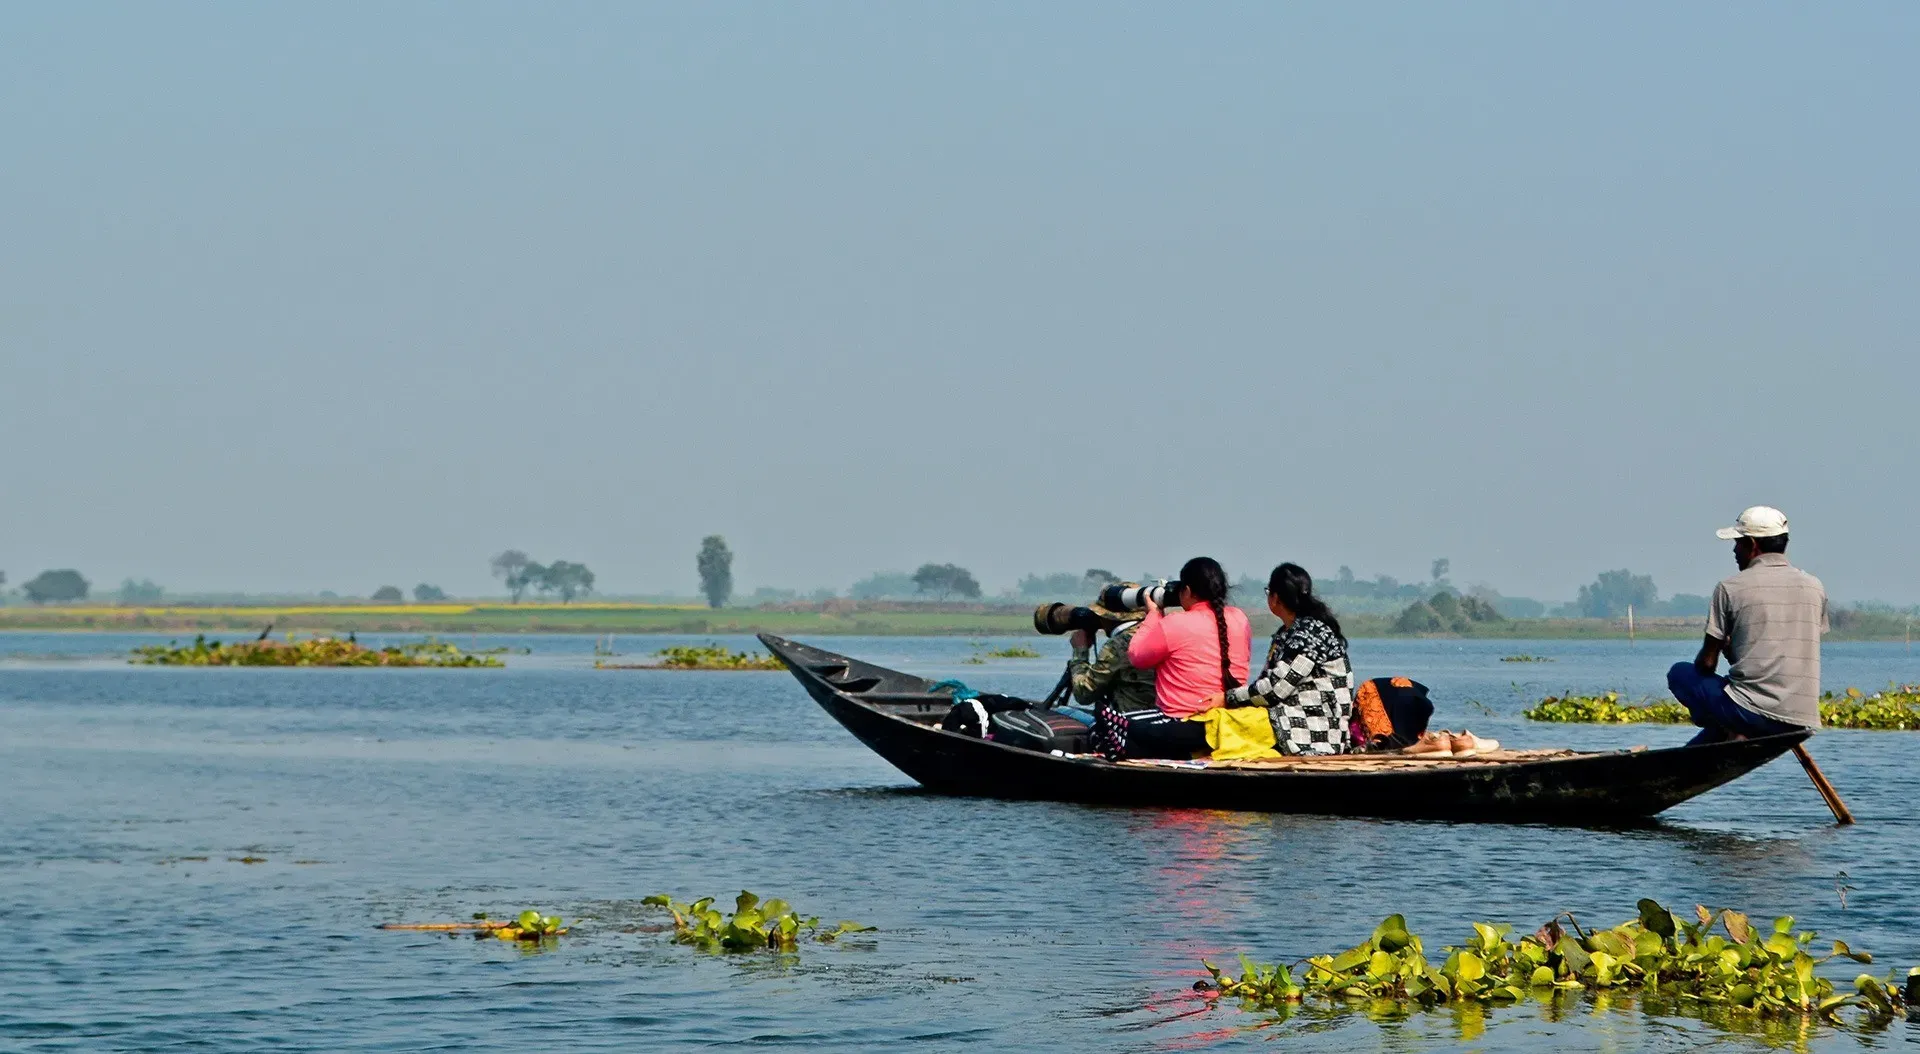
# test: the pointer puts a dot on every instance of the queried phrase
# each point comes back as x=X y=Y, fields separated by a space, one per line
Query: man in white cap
x=1767 y=621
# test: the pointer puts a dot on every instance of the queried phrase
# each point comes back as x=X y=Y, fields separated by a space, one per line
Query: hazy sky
x=327 y=296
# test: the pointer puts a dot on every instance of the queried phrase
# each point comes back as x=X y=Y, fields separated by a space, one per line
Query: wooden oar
x=1840 y=814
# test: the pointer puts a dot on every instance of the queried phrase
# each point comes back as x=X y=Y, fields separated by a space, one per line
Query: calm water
x=407 y=795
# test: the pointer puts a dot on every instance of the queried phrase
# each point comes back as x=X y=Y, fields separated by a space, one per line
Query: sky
x=300 y=297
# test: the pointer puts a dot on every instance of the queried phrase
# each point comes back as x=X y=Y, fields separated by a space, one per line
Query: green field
x=877 y=618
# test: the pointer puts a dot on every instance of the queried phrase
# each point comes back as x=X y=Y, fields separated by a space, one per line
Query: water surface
x=377 y=795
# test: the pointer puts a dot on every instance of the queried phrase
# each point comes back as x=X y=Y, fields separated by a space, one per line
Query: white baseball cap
x=1761 y=521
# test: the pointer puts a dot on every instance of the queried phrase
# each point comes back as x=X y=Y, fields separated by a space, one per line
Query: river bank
x=833 y=618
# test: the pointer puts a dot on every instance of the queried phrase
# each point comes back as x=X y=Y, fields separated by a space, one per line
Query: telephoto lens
x=1055 y=619
x=1129 y=597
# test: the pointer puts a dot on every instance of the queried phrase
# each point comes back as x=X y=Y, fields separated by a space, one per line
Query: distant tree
x=1441 y=566
x=1050 y=587
x=1346 y=575
x=516 y=571
x=427 y=594
x=567 y=579
x=1479 y=609
x=715 y=564
x=1099 y=578
x=141 y=592
x=881 y=585
x=945 y=580
x=56 y=587
x=1683 y=604
x=1418 y=617
x=389 y=595
x=1612 y=592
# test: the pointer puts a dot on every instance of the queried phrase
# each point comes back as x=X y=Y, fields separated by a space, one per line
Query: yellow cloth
x=1238 y=733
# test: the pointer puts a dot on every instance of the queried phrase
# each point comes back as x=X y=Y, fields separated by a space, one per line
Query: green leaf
x=1656 y=919
x=1840 y=948
x=1352 y=957
x=658 y=900
x=744 y=902
x=1542 y=975
x=1391 y=935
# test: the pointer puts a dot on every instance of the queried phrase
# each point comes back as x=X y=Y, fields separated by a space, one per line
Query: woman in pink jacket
x=1197 y=652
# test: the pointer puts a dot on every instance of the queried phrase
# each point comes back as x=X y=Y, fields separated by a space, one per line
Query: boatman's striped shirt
x=1770 y=618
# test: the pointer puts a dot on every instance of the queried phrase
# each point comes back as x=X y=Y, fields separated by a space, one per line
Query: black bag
x=1041 y=730
x=1408 y=707
x=969 y=716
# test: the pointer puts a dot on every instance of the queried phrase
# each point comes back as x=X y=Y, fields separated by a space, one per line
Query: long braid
x=1227 y=680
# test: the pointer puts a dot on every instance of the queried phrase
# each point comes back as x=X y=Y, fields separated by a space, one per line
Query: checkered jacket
x=1307 y=687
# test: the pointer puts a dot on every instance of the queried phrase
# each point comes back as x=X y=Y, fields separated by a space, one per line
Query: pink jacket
x=1183 y=648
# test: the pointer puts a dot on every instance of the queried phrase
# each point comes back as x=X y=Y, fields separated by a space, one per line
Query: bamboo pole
x=1841 y=815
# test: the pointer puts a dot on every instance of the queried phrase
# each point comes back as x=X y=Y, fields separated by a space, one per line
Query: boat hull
x=1600 y=788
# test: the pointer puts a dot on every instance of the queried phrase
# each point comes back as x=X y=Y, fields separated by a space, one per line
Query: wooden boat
x=897 y=717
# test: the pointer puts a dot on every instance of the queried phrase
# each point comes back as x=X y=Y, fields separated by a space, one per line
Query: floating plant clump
x=1607 y=709
x=313 y=651
x=530 y=925
x=1739 y=969
x=755 y=925
x=708 y=657
x=1896 y=709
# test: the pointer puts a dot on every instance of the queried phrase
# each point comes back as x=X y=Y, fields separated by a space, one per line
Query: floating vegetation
x=1763 y=975
x=314 y=651
x=530 y=925
x=1608 y=709
x=709 y=657
x=755 y=925
x=1525 y=658
x=1897 y=709
x=1013 y=651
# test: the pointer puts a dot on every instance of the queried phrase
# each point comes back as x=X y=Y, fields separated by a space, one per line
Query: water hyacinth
x=1895 y=709
x=314 y=651
x=1739 y=968
x=1607 y=709
x=714 y=657
x=755 y=925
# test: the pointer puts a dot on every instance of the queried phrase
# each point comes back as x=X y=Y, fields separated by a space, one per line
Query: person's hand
x=1081 y=639
x=1153 y=606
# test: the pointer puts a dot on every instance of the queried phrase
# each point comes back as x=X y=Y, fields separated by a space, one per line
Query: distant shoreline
x=843 y=618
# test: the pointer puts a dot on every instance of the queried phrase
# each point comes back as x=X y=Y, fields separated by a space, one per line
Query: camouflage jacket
x=1109 y=676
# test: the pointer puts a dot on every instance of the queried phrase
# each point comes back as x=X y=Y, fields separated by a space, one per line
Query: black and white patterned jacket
x=1307 y=687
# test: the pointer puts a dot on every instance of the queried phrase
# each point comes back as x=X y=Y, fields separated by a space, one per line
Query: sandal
x=1432 y=745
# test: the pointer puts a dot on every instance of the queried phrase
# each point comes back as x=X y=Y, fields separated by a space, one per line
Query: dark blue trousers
x=1719 y=717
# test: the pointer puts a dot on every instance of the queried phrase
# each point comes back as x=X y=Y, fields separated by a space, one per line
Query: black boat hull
x=891 y=712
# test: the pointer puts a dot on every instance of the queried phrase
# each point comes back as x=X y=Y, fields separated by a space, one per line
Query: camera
x=1124 y=597
x=1055 y=619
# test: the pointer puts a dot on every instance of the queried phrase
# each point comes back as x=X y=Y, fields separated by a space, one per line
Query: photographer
x=1109 y=677
x=1195 y=652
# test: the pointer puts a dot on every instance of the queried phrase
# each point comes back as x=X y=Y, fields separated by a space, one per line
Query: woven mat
x=1371 y=762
